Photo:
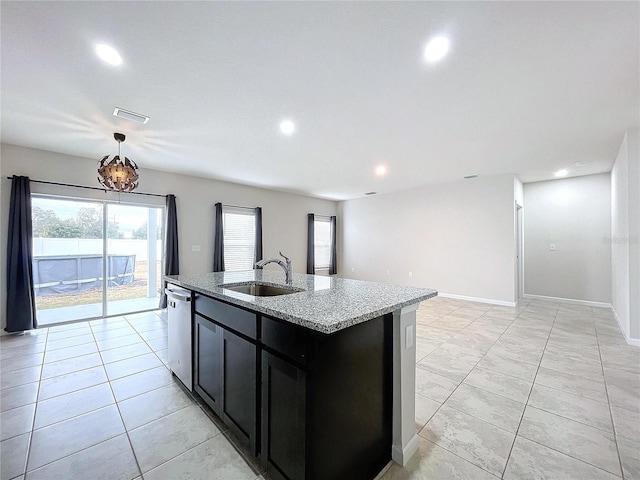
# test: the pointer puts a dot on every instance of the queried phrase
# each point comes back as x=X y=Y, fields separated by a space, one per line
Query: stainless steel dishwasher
x=179 y=318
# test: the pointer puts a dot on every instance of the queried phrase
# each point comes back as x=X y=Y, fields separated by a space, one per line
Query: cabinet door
x=239 y=401
x=208 y=379
x=283 y=418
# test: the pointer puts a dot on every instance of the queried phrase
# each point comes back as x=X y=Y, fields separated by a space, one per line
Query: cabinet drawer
x=234 y=318
x=286 y=339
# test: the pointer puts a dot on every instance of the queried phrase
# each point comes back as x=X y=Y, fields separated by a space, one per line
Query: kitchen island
x=317 y=378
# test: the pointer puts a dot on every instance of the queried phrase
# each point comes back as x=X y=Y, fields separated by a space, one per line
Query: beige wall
x=575 y=215
x=457 y=238
x=284 y=215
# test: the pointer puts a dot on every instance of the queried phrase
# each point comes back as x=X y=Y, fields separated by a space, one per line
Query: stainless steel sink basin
x=261 y=289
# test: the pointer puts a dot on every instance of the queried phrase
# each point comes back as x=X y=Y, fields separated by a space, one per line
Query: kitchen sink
x=261 y=289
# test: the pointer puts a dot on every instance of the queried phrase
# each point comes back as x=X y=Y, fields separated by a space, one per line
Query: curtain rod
x=93 y=188
x=238 y=206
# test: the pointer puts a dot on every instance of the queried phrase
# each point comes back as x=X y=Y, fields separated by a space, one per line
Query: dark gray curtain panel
x=171 y=259
x=258 y=249
x=218 y=242
x=333 y=258
x=311 y=257
x=21 y=302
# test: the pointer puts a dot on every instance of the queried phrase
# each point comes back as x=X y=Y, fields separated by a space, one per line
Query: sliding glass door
x=134 y=251
x=94 y=259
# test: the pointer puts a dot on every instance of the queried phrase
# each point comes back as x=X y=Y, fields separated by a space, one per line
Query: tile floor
x=547 y=390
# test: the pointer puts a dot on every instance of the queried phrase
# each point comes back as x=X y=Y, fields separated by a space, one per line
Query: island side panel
x=404 y=440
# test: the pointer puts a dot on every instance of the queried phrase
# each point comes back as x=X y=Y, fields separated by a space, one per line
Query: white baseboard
x=477 y=299
x=401 y=455
x=572 y=301
x=631 y=341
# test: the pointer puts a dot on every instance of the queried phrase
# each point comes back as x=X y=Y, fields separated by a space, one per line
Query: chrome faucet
x=286 y=265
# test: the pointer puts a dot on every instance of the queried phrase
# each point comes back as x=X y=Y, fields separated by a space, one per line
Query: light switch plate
x=195 y=248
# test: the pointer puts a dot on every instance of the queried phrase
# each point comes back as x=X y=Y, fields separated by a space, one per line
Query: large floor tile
x=215 y=455
x=450 y=361
x=142 y=382
x=70 y=365
x=20 y=377
x=508 y=366
x=153 y=334
x=434 y=386
x=68 y=332
x=118 y=342
x=473 y=439
x=57 y=441
x=583 y=442
x=69 y=342
x=566 y=365
x=109 y=460
x=71 y=382
x=630 y=458
x=585 y=387
x=425 y=409
x=16 y=363
x=494 y=409
x=108 y=324
x=113 y=333
x=73 y=404
x=432 y=462
x=70 y=352
x=18 y=396
x=152 y=405
x=158 y=343
x=13 y=456
x=530 y=460
x=500 y=384
x=161 y=440
x=623 y=389
x=21 y=350
x=574 y=407
x=122 y=353
x=575 y=353
x=626 y=422
x=16 y=421
x=132 y=365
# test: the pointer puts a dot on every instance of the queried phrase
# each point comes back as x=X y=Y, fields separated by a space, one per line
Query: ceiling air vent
x=128 y=115
x=370 y=193
x=469 y=177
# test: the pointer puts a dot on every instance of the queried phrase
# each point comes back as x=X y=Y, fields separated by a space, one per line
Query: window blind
x=322 y=242
x=239 y=227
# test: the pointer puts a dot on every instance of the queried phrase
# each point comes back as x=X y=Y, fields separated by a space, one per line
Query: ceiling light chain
x=115 y=174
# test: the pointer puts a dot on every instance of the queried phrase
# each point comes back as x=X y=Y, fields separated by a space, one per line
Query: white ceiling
x=528 y=88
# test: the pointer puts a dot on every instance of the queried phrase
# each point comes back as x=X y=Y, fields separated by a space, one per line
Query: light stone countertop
x=325 y=304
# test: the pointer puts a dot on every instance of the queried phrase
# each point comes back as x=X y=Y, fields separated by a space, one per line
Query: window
x=322 y=242
x=239 y=230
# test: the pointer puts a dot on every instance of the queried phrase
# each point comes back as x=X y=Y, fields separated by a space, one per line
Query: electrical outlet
x=410 y=337
x=410 y=274
x=353 y=269
x=552 y=247
x=195 y=248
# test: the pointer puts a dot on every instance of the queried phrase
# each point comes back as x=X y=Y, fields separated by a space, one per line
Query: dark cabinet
x=312 y=406
x=283 y=417
x=239 y=387
x=207 y=373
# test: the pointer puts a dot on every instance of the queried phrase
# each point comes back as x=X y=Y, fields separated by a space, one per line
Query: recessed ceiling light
x=287 y=127
x=381 y=170
x=108 y=54
x=562 y=173
x=436 y=49
x=581 y=163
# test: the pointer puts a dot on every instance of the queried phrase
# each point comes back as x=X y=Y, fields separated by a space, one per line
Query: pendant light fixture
x=116 y=174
